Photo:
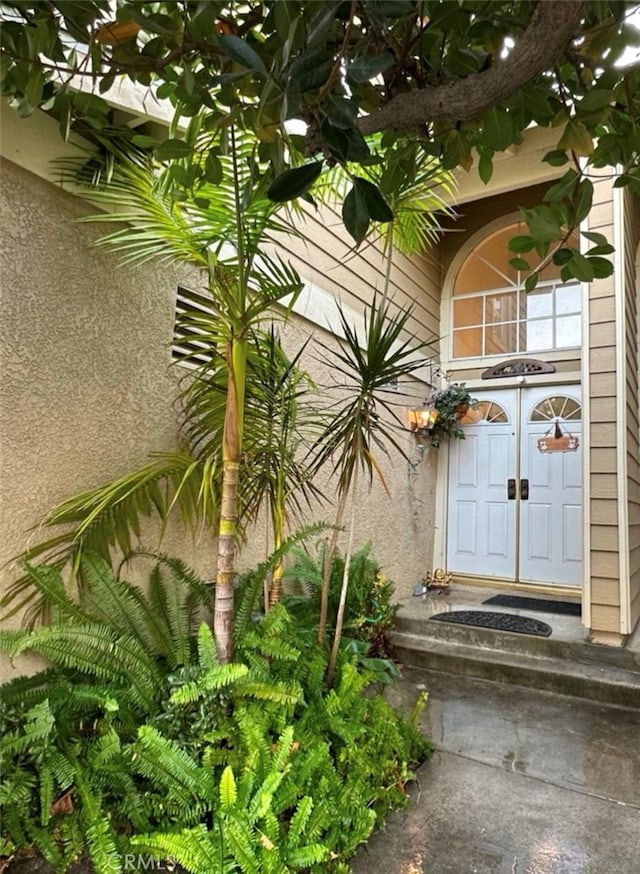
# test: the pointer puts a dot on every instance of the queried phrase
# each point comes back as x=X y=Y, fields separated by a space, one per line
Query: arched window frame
x=553 y=351
x=488 y=411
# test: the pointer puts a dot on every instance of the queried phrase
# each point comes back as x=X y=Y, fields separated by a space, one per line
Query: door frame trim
x=442 y=493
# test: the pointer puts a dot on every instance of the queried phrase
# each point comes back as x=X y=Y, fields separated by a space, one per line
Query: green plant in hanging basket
x=451 y=403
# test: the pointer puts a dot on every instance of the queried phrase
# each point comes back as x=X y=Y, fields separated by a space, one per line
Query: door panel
x=551 y=520
x=531 y=532
x=481 y=518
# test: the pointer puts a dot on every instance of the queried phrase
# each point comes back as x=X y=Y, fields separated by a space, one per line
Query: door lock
x=511 y=489
x=524 y=489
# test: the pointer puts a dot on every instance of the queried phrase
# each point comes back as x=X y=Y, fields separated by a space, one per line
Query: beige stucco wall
x=87 y=391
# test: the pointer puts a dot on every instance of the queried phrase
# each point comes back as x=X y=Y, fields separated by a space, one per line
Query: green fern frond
x=284 y=694
x=227 y=789
x=98 y=650
x=101 y=839
x=15 y=795
x=11 y=640
x=114 y=602
x=38 y=725
x=200 y=850
x=240 y=840
x=104 y=749
x=207 y=653
x=307 y=856
x=214 y=679
x=62 y=768
x=300 y=819
x=46 y=794
x=169 y=766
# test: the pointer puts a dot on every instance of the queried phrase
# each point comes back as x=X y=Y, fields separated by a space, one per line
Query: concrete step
x=524 y=644
x=580 y=669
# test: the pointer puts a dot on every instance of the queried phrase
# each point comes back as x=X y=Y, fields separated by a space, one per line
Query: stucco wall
x=400 y=523
x=87 y=391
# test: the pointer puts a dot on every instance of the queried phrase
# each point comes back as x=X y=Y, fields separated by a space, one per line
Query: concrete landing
x=565 y=662
x=522 y=782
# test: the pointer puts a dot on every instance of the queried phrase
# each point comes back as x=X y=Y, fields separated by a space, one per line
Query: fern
x=253 y=583
x=213 y=680
x=252 y=766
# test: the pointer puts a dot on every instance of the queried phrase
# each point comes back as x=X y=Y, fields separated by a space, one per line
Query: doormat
x=496 y=621
x=541 y=605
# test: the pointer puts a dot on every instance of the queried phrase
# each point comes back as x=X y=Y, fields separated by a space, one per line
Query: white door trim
x=443 y=472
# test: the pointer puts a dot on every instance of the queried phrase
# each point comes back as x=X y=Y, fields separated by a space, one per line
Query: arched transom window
x=555 y=408
x=486 y=411
x=494 y=315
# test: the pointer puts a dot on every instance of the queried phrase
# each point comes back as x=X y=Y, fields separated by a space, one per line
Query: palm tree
x=222 y=229
x=279 y=477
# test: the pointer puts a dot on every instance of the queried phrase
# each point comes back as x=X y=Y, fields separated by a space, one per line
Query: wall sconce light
x=423 y=420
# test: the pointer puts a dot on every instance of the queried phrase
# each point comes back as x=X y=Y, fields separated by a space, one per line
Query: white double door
x=514 y=511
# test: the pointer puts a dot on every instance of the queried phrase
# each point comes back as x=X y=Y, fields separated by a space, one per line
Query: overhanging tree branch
x=552 y=26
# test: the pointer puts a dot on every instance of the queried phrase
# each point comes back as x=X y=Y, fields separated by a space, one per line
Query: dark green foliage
x=138 y=740
x=369 y=610
x=451 y=403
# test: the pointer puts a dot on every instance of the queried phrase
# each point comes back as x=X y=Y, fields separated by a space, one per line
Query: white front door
x=514 y=508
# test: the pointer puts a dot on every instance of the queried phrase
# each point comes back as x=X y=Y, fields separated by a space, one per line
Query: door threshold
x=511 y=585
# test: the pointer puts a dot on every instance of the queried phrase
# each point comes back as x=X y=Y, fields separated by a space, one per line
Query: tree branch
x=552 y=26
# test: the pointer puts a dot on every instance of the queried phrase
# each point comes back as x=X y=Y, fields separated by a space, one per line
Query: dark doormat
x=540 y=605
x=496 y=621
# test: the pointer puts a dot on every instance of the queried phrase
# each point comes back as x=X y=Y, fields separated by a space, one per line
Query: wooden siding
x=323 y=254
x=605 y=592
x=630 y=262
x=603 y=438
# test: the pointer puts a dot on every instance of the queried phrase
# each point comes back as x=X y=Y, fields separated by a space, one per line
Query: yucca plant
x=363 y=425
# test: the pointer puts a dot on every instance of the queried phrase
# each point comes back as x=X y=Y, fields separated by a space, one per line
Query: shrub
x=370 y=610
x=137 y=740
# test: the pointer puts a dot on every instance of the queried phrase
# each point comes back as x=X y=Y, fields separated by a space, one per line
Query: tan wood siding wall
x=631 y=241
x=324 y=256
x=603 y=482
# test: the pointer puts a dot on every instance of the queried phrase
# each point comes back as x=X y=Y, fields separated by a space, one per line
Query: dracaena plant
x=363 y=425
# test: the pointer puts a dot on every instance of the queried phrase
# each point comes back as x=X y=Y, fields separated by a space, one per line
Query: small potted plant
x=452 y=403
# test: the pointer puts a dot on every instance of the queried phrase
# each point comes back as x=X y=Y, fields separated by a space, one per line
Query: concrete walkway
x=522 y=782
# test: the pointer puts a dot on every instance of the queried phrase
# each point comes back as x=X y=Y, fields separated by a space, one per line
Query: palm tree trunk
x=337 y=635
x=278 y=538
x=228 y=531
x=326 y=569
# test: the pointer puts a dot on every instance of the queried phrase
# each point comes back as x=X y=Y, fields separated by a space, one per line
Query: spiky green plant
x=363 y=424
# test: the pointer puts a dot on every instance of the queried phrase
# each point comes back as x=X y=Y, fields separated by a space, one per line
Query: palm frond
x=413 y=183
x=110 y=515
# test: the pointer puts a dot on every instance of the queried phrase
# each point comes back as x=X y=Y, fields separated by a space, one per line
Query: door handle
x=524 y=489
x=511 y=490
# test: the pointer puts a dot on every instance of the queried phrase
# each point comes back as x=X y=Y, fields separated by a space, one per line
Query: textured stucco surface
x=87 y=392
x=399 y=524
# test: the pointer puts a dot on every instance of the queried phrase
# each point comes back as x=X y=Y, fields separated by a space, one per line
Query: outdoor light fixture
x=423 y=420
